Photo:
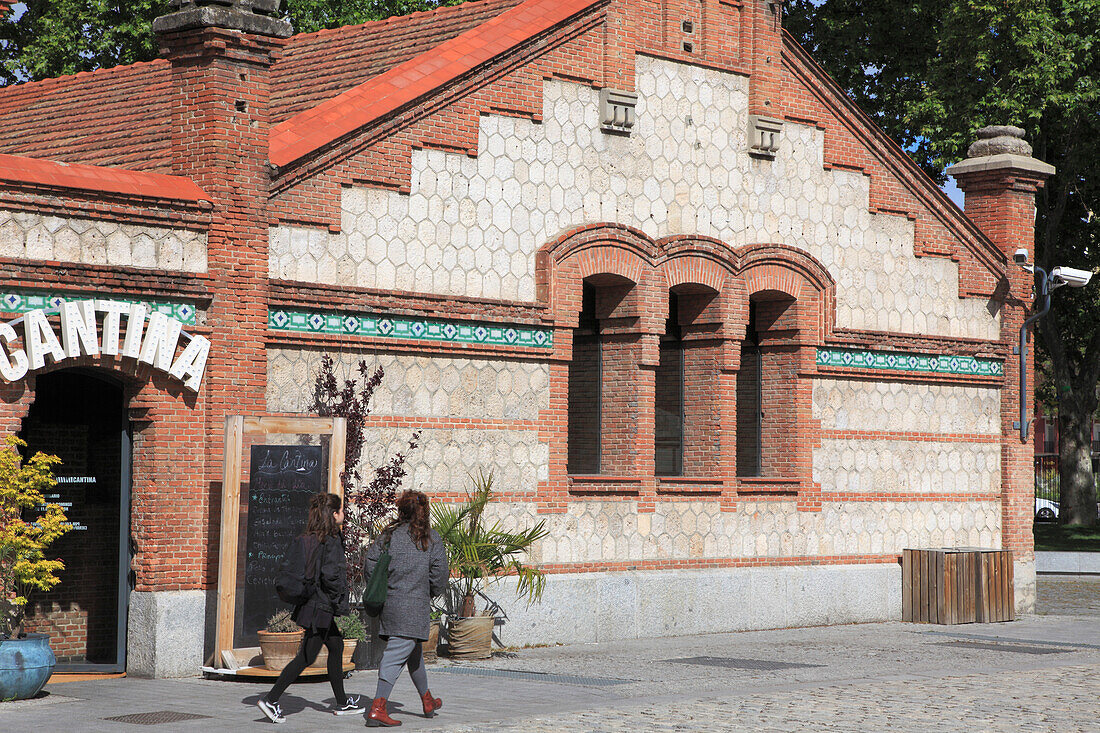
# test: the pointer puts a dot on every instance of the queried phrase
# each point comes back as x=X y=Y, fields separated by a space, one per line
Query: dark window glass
x=749 y=399
x=668 y=430
x=584 y=390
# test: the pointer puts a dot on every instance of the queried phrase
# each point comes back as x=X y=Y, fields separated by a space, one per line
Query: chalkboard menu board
x=281 y=480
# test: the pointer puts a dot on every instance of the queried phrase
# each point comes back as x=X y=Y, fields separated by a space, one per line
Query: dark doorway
x=81 y=418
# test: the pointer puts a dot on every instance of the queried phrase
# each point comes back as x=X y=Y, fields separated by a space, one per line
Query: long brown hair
x=321 y=523
x=412 y=509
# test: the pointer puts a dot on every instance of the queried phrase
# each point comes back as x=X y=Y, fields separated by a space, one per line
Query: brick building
x=640 y=258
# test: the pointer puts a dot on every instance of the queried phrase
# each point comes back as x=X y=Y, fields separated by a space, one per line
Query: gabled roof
x=314 y=67
x=331 y=120
x=117 y=117
x=49 y=174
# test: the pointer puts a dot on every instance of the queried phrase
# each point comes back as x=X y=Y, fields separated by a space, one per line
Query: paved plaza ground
x=1040 y=673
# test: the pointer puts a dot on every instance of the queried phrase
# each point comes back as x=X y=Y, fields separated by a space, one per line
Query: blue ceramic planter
x=25 y=665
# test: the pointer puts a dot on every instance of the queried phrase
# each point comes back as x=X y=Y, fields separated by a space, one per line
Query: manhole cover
x=1016 y=648
x=517 y=674
x=162 y=716
x=735 y=663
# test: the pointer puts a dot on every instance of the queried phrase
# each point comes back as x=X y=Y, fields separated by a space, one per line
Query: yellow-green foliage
x=23 y=565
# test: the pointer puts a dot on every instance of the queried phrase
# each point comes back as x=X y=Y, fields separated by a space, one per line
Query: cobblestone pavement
x=1068 y=594
x=1061 y=699
x=1039 y=673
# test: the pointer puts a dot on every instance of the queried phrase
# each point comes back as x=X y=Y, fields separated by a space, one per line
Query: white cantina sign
x=154 y=344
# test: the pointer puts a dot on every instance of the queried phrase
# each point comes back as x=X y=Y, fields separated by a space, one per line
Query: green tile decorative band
x=420 y=329
x=18 y=302
x=901 y=362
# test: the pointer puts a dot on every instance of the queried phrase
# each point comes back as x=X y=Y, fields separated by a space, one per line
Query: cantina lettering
x=154 y=344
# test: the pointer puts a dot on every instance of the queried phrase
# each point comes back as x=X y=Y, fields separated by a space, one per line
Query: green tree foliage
x=932 y=72
x=24 y=567
x=57 y=37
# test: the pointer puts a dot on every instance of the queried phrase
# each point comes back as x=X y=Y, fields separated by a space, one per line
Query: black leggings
x=307 y=653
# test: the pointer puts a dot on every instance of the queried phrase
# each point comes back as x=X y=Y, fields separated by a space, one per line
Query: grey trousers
x=401 y=652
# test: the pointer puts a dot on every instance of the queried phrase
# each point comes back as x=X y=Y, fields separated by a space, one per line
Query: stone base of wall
x=1023 y=581
x=165 y=633
x=595 y=607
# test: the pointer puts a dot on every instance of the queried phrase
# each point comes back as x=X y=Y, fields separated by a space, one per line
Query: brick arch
x=782 y=268
x=778 y=268
x=590 y=251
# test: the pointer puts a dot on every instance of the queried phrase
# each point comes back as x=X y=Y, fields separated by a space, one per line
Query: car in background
x=1047 y=510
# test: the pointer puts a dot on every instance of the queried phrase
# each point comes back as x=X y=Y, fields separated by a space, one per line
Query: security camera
x=1020 y=256
x=1070 y=276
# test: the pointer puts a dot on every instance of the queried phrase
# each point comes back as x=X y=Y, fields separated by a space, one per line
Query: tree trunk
x=467 y=606
x=1076 y=481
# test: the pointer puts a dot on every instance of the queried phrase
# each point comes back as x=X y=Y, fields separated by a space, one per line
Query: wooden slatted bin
x=957 y=586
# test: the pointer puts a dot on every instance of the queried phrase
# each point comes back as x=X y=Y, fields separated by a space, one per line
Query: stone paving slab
x=870 y=677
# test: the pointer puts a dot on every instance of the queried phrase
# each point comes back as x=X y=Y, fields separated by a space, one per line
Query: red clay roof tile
x=33 y=171
x=318 y=66
x=314 y=128
x=117 y=117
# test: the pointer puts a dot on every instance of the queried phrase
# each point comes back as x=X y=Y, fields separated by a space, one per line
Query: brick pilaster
x=1000 y=180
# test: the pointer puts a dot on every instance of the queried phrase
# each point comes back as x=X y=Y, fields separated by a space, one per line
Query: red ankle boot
x=431 y=704
x=378 y=714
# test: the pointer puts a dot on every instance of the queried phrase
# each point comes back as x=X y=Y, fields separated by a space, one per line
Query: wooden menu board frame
x=236 y=428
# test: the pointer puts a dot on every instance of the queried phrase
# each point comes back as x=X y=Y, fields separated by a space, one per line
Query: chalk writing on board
x=281 y=480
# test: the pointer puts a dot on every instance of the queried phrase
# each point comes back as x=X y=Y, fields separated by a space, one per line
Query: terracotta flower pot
x=322 y=656
x=279 y=648
x=432 y=644
x=471 y=638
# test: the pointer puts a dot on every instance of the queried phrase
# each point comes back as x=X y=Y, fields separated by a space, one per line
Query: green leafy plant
x=24 y=567
x=351 y=627
x=482 y=554
x=281 y=623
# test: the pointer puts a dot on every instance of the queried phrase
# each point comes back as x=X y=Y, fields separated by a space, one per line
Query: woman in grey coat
x=418 y=572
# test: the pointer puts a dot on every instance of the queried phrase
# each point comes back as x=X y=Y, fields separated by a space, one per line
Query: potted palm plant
x=26 y=661
x=481 y=554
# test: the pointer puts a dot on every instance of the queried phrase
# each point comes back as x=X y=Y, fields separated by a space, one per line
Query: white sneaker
x=271 y=710
x=351 y=707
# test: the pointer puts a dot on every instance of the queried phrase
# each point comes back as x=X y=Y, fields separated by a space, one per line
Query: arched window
x=585 y=379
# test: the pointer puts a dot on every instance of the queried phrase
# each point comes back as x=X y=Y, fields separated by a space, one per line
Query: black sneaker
x=271 y=710
x=351 y=707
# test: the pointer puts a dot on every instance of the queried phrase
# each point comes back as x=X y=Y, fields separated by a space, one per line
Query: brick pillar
x=1000 y=180
x=764 y=26
x=220 y=53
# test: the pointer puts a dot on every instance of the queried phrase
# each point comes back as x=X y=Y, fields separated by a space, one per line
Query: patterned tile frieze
x=419 y=329
x=100 y=242
x=472 y=226
x=895 y=361
x=418 y=386
x=905 y=466
x=17 y=302
x=615 y=532
x=843 y=404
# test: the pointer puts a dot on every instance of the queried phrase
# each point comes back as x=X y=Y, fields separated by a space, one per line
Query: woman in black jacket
x=322 y=542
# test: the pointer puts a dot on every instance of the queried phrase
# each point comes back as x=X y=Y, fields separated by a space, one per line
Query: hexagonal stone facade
x=600 y=531
x=845 y=404
x=471 y=227
x=418 y=386
x=437 y=387
x=925 y=466
x=100 y=242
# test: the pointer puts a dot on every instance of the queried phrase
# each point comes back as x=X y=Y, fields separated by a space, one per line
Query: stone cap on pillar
x=260 y=17
x=1000 y=147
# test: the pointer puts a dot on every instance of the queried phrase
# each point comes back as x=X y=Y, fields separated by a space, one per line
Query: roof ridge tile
x=311 y=129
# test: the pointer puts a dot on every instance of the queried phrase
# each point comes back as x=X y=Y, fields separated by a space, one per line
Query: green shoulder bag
x=374 y=595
